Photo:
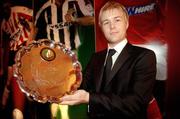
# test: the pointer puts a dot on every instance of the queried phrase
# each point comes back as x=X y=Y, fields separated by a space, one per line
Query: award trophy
x=46 y=70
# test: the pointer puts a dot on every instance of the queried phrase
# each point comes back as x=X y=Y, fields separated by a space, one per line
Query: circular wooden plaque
x=46 y=70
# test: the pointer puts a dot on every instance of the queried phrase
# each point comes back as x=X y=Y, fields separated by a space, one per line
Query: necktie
x=107 y=68
x=108 y=65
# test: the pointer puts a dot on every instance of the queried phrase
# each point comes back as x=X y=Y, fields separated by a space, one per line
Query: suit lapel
x=100 y=70
x=124 y=55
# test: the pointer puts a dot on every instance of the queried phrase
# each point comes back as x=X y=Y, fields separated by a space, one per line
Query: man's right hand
x=5 y=97
x=69 y=15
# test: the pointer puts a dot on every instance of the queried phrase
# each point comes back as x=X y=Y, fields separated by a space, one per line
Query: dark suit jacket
x=127 y=93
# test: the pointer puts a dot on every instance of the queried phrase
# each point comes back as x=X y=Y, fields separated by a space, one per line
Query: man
x=16 y=30
x=52 y=24
x=147 y=29
x=124 y=90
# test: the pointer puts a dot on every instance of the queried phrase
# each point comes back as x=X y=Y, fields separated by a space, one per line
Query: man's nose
x=112 y=25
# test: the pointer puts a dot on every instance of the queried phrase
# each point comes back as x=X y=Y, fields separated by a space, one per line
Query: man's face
x=114 y=25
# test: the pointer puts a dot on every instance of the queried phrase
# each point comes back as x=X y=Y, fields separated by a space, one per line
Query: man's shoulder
x=138 y=51
x=141 y=51
x=137 y=48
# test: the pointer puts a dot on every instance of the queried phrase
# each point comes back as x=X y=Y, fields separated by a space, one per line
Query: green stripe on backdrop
x=86 y=49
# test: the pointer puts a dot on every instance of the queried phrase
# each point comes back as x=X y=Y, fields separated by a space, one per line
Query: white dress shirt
x=119 y=47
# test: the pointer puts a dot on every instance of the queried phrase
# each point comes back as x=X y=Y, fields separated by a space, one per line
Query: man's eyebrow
x=116 y=17
x=119 y=16
x=104 y=20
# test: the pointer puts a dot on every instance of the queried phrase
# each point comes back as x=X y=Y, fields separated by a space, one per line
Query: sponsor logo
x=140 y=9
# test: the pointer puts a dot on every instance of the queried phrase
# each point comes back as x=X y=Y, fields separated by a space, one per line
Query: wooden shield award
x=46 y=70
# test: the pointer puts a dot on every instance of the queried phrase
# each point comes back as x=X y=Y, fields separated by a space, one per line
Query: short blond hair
x=111 y=4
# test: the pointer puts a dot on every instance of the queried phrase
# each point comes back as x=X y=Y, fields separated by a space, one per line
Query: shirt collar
x=119 y=46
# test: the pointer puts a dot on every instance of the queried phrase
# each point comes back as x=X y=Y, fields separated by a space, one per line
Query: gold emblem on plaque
x=48 y=54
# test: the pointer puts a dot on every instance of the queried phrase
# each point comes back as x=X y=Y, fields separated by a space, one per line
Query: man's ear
x=99 y=23
x=127 y=25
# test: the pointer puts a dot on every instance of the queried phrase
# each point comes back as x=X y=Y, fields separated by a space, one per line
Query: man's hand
x=70 y=15
x=5 y=97
x=78 y=97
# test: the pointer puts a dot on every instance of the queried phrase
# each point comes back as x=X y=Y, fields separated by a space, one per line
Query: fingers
x=5 y=96
x=78 y=97
x=69 y=16
x=69 y=103
x=70 y=97
x=69 y=100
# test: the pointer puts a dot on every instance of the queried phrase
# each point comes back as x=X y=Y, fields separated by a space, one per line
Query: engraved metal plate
x=46 y=70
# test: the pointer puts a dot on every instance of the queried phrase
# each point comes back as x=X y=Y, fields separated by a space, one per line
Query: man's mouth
x=113 y=33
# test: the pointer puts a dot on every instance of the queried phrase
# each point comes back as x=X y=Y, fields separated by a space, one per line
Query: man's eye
x=117 y=20
x=105 y=23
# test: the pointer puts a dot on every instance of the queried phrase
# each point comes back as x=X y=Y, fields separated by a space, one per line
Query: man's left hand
x=78 y=97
